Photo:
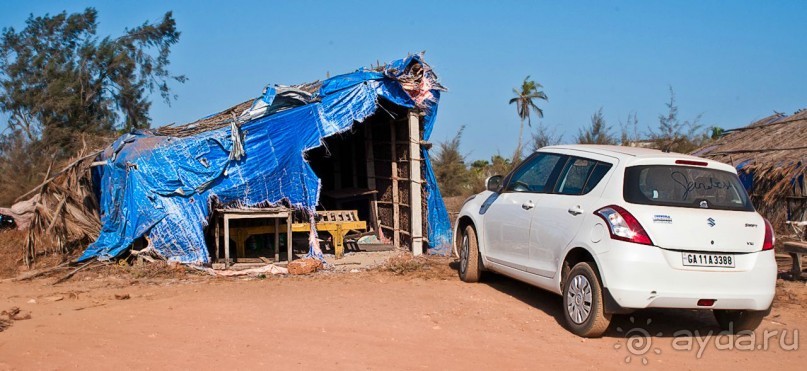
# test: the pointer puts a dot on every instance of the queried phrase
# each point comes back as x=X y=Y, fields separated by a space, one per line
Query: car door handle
x=527 y=205
x=576 y=210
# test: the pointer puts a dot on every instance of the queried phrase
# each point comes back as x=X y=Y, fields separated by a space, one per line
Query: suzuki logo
x=711 y=222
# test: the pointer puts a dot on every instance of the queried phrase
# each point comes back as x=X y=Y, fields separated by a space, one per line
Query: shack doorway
x=369 y=169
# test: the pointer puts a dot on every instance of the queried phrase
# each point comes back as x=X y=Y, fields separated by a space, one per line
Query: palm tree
x=525 y=103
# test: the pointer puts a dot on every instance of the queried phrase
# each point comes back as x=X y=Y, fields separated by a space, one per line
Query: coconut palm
x=525 y=103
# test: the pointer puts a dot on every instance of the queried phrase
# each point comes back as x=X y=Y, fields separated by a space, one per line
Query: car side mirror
x=494 y=183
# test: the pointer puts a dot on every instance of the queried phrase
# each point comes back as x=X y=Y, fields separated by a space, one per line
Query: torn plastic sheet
x=164 y=187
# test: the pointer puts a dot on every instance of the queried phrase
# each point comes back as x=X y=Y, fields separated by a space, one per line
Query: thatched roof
x=775 y=140
x=773 y=151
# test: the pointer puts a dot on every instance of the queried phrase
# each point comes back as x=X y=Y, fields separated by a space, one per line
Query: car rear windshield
x=685 y=186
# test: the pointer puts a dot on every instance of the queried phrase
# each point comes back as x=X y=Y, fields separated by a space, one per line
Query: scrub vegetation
x=459 y=176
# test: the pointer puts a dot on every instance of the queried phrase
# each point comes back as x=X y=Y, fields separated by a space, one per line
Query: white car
x=614 y=229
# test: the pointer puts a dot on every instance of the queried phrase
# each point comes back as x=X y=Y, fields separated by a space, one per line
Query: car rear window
x=685 y=186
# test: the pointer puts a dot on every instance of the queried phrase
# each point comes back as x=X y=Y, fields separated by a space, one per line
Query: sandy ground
x=423 y=318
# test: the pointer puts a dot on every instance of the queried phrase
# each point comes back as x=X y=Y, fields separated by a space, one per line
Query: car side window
x=580 y=176
x=596 y=176
x=574 y=176
x=535 y=175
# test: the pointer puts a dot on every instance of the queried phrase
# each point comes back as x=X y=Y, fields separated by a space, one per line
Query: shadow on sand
x=657 y=322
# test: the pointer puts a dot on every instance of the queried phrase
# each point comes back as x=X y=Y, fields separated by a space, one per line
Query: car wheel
x=470 y=262
x=739 y=320
x=582 y=302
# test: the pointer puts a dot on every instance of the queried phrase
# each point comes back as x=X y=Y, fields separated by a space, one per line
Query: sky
x=729 y=62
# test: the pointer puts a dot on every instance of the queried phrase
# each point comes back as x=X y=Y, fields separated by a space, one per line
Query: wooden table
x=337 y=223
x=277 y=214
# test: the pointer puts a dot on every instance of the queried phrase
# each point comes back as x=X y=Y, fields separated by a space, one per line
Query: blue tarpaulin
x=746 y=175
x=164 y=187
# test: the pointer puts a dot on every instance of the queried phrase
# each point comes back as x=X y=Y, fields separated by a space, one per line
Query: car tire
x=739 y=320
x=583 y=307
x=470 y=268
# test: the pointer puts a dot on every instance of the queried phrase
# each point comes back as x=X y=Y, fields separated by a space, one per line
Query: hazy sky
x=731 y=61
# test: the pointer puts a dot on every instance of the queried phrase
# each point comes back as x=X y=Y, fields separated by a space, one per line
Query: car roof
x=631 y=154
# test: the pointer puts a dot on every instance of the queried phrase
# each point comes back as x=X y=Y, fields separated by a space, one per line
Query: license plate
x=707 y=260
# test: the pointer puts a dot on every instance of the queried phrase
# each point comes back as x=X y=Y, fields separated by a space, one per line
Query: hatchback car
x=614 y=229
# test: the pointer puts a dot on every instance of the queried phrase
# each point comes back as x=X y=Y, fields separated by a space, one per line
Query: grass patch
x=423 y=266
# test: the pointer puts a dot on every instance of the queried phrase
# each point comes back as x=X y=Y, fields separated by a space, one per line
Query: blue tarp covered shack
x=290 y=146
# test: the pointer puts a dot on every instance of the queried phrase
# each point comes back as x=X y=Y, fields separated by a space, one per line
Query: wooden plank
x=415 y=197
x=263 y=210
x=396 y=222
x=391 y=203
x=393 y=178
x=795 y=247
x=257 y=216
x=393 y=229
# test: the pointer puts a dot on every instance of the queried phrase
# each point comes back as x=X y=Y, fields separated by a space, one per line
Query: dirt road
x=366 y=320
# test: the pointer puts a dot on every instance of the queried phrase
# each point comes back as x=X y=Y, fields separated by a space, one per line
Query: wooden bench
x=796 y=250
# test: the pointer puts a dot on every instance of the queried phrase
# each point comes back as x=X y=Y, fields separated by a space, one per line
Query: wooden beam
x=416 y=210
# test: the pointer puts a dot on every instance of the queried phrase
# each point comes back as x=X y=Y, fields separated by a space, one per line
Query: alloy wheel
x=464 y=255
x=579 y=300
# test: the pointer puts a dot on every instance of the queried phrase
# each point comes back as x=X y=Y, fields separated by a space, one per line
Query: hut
x=356 y=141
x=770 y=156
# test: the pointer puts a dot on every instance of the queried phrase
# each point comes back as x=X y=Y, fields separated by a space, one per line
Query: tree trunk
x=517 y=154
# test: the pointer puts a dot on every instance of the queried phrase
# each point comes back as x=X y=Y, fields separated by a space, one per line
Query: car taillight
x=770 y=239
x=690 y=162
x=623 y=226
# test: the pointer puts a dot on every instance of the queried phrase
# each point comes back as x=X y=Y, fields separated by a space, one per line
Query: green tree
x=524 y=99
x=674 y=135
x=543 y=137
x=57 y=74
x=449 y=167
x=59 y=80
x=598 y=133
x=717 y=132
x=629 y=131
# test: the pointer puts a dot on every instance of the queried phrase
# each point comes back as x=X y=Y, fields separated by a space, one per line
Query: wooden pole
x=368 y=150
x=277 y=240
x=396 y=223
x=415 y=207
x=226 y=241
x=216 y=226
x=289 y=252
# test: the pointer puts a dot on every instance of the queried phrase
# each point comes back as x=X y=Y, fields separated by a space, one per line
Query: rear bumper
x=638 y=276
